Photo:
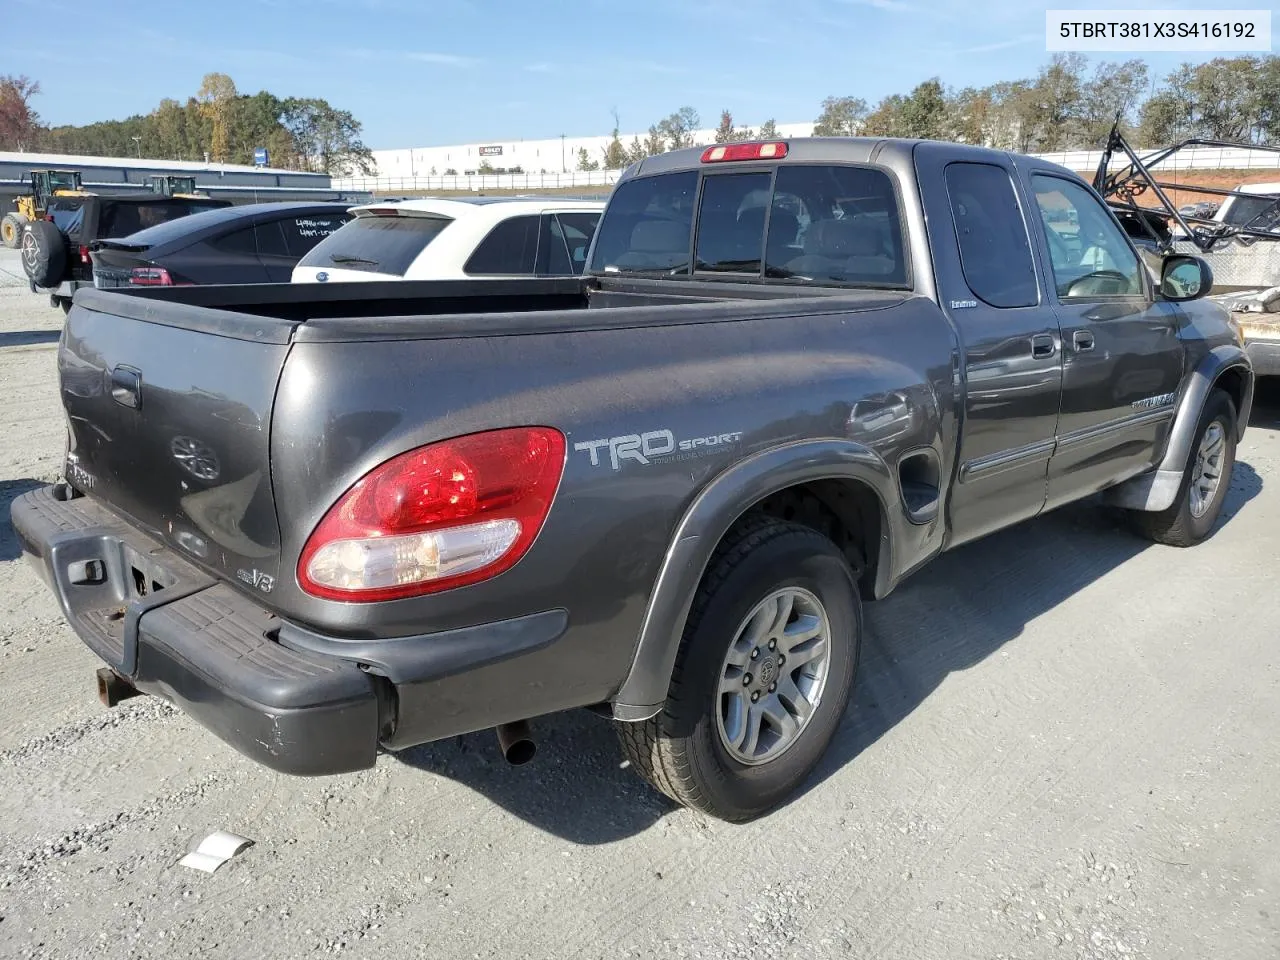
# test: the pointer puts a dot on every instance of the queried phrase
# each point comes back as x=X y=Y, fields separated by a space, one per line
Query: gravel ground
x=1064 y=743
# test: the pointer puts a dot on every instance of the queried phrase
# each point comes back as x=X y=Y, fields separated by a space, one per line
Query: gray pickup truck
x=329 y=520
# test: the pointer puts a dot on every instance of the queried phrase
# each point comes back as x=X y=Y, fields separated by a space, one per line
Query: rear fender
x=1157 y=489
x=706 y=522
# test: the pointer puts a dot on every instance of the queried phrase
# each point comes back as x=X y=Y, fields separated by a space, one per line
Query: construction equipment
x=174 y=186
x=44 y=184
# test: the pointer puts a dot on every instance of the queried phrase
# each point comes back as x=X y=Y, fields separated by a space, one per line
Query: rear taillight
x=84 y=255
x=441 y=516
x=150 y=277
x=744 y=151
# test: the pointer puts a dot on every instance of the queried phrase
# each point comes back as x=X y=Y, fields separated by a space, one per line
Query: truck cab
x=174 y=186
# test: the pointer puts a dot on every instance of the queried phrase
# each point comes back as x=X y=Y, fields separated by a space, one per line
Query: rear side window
x=303 y=233
x=510 y=247
x=377 y=244
x=240 y=242
x=270 y=239
x=995 y=252
x=647 y=226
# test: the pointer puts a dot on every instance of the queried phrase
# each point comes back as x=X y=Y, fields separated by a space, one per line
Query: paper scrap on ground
x=214 y=850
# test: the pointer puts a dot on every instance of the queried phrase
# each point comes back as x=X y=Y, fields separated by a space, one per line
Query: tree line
x=1064 y=107
x=218 y=123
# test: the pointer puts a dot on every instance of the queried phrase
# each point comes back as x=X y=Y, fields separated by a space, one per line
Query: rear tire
x=1205 y=479
x=769 y=581
x=11 y=230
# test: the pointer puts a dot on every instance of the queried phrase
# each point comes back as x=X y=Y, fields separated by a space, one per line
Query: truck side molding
x=720 y=504
x=1156 y=489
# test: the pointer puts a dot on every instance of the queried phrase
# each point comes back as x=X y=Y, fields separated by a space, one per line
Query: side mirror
x=1185 y=278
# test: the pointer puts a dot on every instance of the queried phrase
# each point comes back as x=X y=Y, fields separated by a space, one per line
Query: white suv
x=436 y=239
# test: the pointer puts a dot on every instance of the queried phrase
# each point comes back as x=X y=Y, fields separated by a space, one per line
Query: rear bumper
x=198 y=643
x=295 y=700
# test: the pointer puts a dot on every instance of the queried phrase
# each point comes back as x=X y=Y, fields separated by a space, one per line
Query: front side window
x=995 y=253
x=578 y=229
x=1090 y=254
x=553 y=253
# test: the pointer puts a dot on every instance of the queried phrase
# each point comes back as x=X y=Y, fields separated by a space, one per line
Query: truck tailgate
x=169 y=425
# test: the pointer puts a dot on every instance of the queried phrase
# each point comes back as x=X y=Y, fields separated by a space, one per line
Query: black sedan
x=252 y=243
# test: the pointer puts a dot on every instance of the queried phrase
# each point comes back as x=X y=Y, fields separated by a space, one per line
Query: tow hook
x=112 y=688
x=515 y=740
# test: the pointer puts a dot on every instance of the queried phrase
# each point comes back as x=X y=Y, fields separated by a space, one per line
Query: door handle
x=1043 y=347
x=1083 y=340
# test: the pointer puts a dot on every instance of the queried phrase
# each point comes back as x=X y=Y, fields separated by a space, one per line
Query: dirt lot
x=1065 y=743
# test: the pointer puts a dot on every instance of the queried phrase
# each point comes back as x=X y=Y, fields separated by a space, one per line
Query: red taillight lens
x=84 y=255
x=744 y=151
x=441 y=516
x=150 y=277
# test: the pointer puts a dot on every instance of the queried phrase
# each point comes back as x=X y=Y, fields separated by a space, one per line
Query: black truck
x=329 y=521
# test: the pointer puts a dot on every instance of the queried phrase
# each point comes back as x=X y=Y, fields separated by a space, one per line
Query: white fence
x=1191 y=158
x=529 y=182
x=1197 y=158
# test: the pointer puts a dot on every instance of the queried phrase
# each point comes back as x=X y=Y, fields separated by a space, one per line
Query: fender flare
x=1156 y=489
x=700 y=530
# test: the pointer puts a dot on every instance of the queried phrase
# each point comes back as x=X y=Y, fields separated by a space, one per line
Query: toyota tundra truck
x=329 y=521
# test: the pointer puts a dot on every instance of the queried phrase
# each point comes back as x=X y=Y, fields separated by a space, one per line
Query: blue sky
x=428 y=72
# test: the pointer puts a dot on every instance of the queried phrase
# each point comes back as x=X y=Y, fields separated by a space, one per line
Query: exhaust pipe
x=112 y=688
x=515 y=740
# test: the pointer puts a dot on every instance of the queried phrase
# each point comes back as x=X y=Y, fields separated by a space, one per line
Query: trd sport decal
x=646 y=447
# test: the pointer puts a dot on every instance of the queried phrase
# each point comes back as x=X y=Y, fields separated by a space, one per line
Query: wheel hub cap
x=773 y=676
x=1206 y=472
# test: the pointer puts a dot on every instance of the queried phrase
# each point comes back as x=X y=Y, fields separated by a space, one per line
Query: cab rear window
x=831 y=224
x=376 y=244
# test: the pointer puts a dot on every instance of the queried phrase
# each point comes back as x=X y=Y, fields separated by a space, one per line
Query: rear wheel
x=762 y=676
x=11 y=230
x=1205 y=480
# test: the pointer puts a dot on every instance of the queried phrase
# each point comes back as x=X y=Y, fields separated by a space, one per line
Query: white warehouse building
x=556 y=155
